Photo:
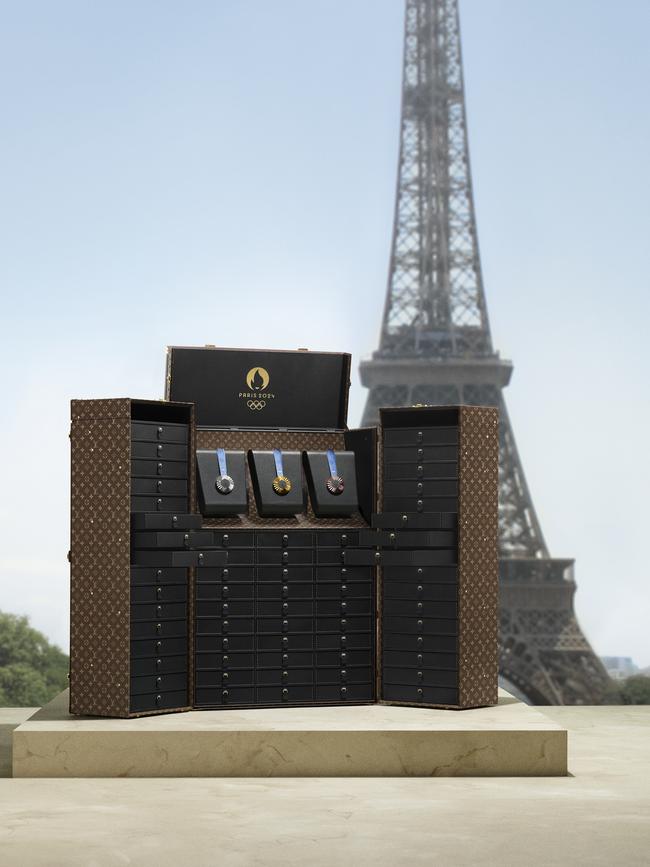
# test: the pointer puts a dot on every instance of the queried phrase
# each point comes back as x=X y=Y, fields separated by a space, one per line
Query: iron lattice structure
x=436 y=348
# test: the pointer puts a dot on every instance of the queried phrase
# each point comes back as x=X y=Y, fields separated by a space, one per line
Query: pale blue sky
x=224 y=172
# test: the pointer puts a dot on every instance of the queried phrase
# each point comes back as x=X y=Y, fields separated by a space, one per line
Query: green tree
x=636 y=690
x=32 y=671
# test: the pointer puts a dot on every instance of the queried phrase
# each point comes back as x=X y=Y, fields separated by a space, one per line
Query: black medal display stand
x=324 y=503
x=212 y=502
x=263 y=472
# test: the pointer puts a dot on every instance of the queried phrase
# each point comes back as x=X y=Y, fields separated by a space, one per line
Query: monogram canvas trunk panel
x=478 y=564
x=295 y=441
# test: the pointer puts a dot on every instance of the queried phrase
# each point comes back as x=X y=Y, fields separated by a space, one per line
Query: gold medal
x=281 y=484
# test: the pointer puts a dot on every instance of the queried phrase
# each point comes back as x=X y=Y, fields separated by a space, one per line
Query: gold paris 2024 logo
x=257 y=380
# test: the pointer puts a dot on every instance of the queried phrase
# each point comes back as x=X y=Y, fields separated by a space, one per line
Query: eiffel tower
x=436 y=348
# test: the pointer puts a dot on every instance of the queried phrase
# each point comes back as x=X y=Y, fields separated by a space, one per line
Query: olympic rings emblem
x=256 y=404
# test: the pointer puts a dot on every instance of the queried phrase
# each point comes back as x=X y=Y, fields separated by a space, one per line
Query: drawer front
x=290 y=642
x=143 y=451
x=412 y=538
x=430 y=557
x=284 y=573
x=159 y=469
x=224 y=661
x=227 y=575
x=420 y=677
x=353 y=692
x=411 y=436
x=170 y=538
x=417 y=660
x=420 y=694
x=348 y=590
x=284 y=694
x=345 y=573
x=158 y=629
x=159 y=701
x=416 y=642
x=344 y=641
x=415 y=520
x=158 y=611
x=285 y=676
x=281 y=591
x=286 y=608
x=420 y=504
x=412 y=590
x=418 y=488
x=225 y=696
x=420 y=453
x=159 y=487
x=234 y=539
x=343 y=658
x=163 y=521
x=143 y=575
x=344 y=624
x=336 y=539
x=159 y=504
x=224 y=677
x=224 y=643
x=410 y=470
x=426 y=574
x=345 y=676
x=222 y=591
x=158 y=683
x=344 y=607
x=281 y=539
x=225 y=608
x=360 y=557
x=283 y=659
x=419 y=625
x=155 y=665
x=154 y=647
x=151 y=431
x=420 y=608
x=159 y=593
x=282 y=625
x=165 y=559
x=225 y=627
x=285 y=556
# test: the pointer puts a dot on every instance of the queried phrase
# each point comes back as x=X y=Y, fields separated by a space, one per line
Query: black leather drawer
x=154 y=665
x=225 y=696
x=158 y=683
x=337 y=538
x=420 y=694
x=345 y=573
x=344 y=624
x=222 y=591
x=159 y=701
x=344 y=676
x=285 y=557
x=284 y=539
x=234 y=539
x=430 y=574
x=151 y=431
x=164 y=521
x=416 y=642
x=224 y=661
x=178 y=558
x=344 y=607
x=417 y=660
x=412 y=470
x=285 y=607
x=420 y=504
x=344 y=693
x=159 y=504
x=178 y=539
x=159 y=470
x=159 y=487
x=420 y=625
x=224 y=626
x=158 y=629
x=344 y=590
x=420 y=453
x=224 y=643
x=225 y=608
x=240 y=556
x=411 y=436
x=419 y=488
x=411 y=538
x=402 y=590
x=144 y=575
x=429 y=557
x=359 y=557
x=283 y=625
x=347 y=641
x=142 y=451
x=284 y=573
x=415 y=521
x=282 y=592
x=158 y=611
x=158 y=647
x=343 y=658
x=285 y=676
x=420 y=677
x=224 y=677
x=226 y=575
x=283 y=659
x=284 y=694
x=419 y=608
x=283 y=642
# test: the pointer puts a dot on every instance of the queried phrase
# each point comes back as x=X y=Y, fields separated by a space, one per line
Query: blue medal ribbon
x=277 y=457
x=331 y=460
x=221 y=457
